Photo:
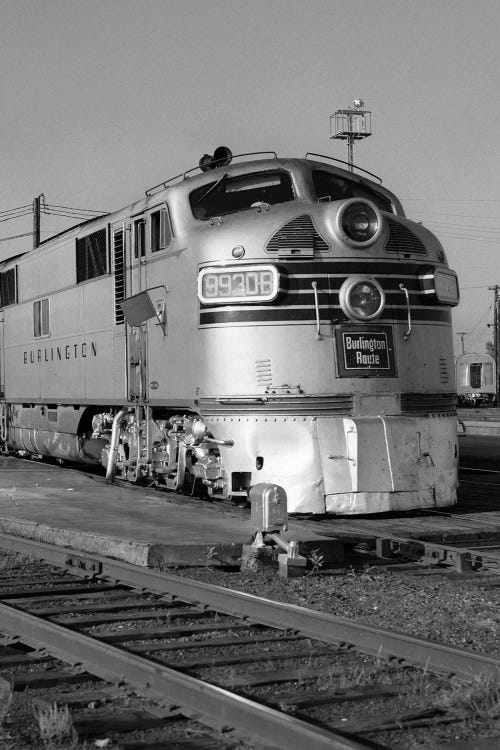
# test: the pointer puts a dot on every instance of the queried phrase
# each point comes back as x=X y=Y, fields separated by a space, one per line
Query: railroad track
x=244 y=666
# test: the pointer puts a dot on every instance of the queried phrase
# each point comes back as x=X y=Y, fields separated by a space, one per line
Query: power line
x=16 y=216
x=40 y=206
x=468 y=237
x=15 y=236
x=466 y=227
x=68 y=208
x=74 y=215
x=463 y=216
x=11 y=210
x=454 y=200
x=481 y=319
x=14 y=213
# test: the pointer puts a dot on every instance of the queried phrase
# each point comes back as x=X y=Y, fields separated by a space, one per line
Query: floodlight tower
x=351 y=125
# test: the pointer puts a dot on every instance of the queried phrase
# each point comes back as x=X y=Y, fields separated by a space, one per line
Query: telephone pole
x=462 y=334
x=36 y=220
x=496 y=338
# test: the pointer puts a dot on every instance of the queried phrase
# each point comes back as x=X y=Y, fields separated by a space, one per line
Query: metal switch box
x=269 y=507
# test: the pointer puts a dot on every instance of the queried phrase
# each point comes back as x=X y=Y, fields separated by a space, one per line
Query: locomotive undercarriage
x=335 y=464
x=340 y=464
x=176 y=452
x=133 y=443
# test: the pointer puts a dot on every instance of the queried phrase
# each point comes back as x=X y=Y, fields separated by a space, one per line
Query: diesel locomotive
x=253 y=320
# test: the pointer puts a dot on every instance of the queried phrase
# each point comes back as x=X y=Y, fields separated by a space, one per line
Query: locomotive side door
x=172 y=335
x=139 y=308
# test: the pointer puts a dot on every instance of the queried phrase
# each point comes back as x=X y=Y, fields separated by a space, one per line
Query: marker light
x=359 y=222
x=441 y=284
x=361 y=298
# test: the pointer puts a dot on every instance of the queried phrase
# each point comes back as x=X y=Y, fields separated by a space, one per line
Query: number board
x=363 y=352
x=238 y=284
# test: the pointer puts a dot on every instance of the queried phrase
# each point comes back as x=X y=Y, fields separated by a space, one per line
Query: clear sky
x=102 y=99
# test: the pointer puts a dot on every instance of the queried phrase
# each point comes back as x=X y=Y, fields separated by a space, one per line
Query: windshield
x=333 y=187
x=227 y=195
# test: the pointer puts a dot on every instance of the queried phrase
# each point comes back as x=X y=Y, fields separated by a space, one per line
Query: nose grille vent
x=298 y=236
x=402 y=240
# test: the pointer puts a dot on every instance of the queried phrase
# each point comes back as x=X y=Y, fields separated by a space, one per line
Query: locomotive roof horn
x=221 y=158
x=205 y=162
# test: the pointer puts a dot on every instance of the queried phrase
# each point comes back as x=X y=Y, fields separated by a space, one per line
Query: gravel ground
x=459 y=611
x=456 y=610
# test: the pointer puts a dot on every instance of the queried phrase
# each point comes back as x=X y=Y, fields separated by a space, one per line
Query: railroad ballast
x=255 y=319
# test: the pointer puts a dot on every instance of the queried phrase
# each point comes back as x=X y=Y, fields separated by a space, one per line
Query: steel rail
x=462 y=556
x=380 y=642
x=171 y=688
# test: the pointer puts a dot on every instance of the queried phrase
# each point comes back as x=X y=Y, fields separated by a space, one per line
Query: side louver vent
x=402 y=240
x=119 y=268
x=298 y=236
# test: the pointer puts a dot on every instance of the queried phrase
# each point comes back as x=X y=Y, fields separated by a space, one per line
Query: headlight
x=361 y=298
x=359 y=222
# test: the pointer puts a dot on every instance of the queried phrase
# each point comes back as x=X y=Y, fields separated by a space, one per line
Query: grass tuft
x=482 y=696
x=56 y=726
x=6 y=695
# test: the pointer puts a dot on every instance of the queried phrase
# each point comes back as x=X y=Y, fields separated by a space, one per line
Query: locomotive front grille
x=296 y=406
x=297 y=236
x=402 y=240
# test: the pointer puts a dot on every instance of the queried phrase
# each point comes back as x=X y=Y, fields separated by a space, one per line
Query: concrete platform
x=486 y=428
x=70 y=508
x=481 y=422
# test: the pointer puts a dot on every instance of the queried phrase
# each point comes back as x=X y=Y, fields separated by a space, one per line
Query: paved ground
x=80 y=511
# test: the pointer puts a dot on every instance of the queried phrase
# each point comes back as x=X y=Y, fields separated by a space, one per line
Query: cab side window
x=332 y=187
x=139 y=238
x=92 y=256
x=8 y=287
x=161 y=230
x=41 y=324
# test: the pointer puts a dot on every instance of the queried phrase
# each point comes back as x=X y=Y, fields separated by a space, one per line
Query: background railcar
x=254 y=320
x=476 y=379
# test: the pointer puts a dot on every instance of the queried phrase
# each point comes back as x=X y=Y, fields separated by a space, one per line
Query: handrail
x=347 y=163
x=407 y=333
x=184 y=175
x=314 y=285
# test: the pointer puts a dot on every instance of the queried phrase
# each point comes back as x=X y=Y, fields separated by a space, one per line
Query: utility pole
x=462 y=334
x=496 y=337
x=36 y=220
